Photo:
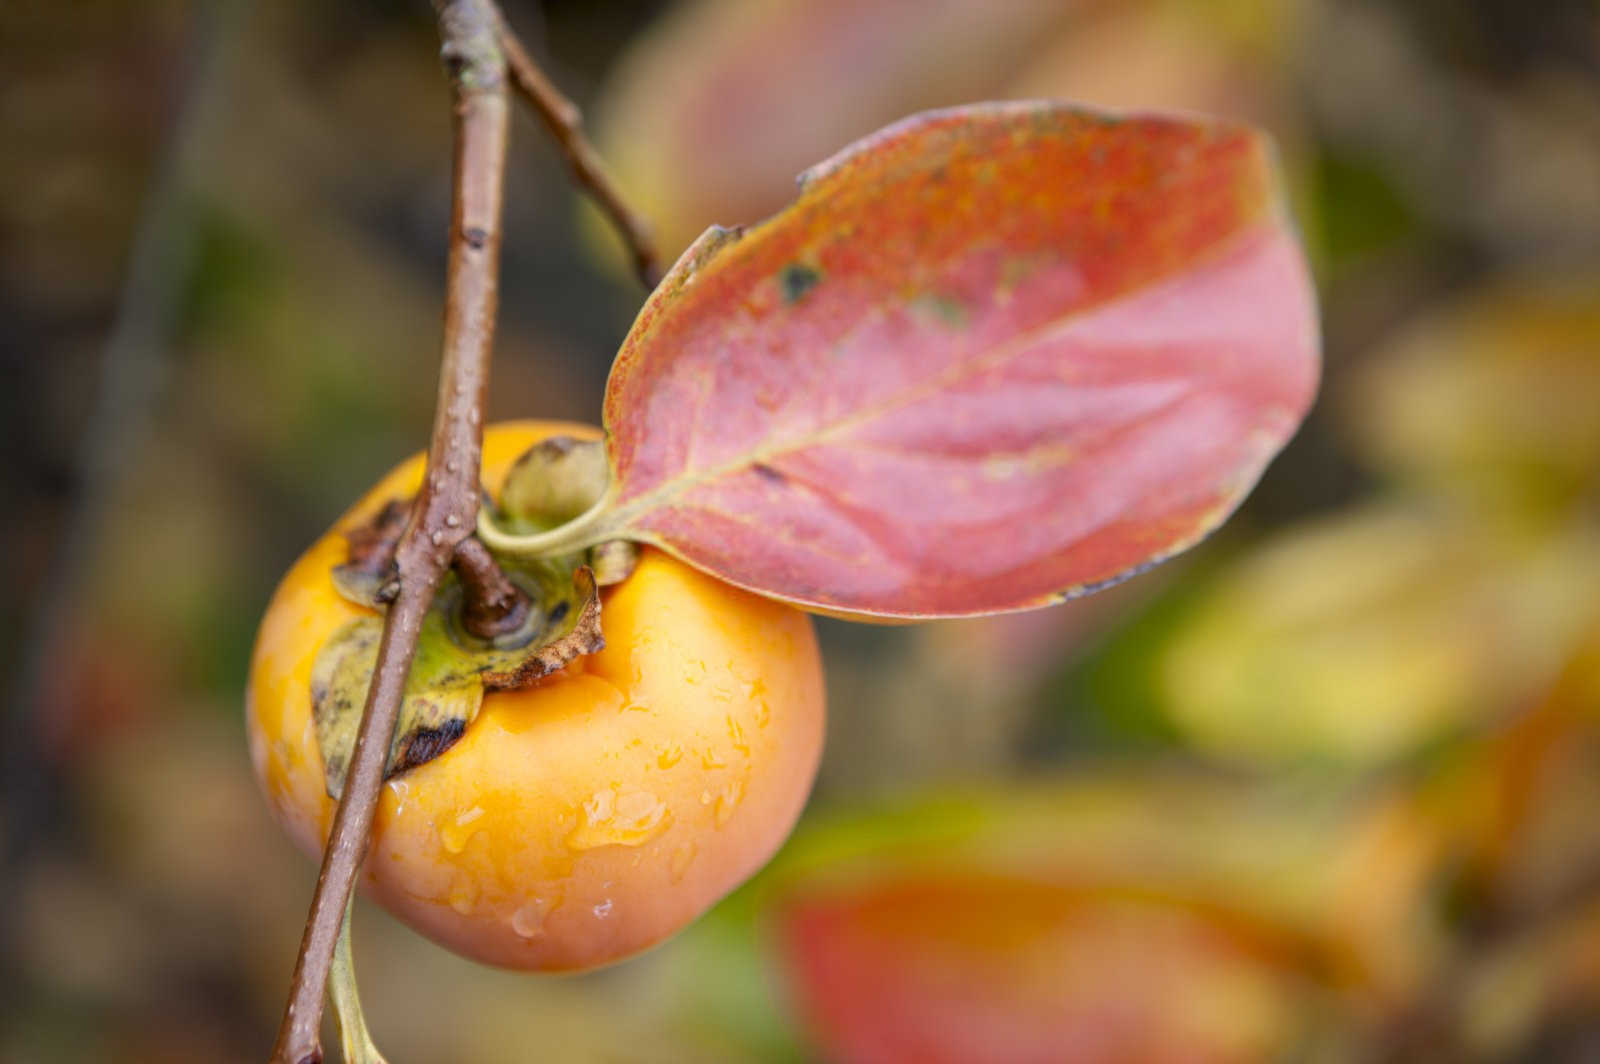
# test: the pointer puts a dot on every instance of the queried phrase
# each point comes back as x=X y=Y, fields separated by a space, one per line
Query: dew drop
x=452 y=520
x=728 y=800
x=437 y=537
x=736 y=736
x=463 y=894
x=756 y=691
x=682 y=858
x=608 y=818
x=603 y=910
x=670 y=755
x=398 y=788
x=459 y=832
x=528 y=920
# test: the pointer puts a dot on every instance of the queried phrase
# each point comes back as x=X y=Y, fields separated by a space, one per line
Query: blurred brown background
x=1362 y=720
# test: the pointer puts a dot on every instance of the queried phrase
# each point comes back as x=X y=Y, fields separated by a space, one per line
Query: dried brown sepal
x=572 y=630
x=370 y=566
x=451 y=670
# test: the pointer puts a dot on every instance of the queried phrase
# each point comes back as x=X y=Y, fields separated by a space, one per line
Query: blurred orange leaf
x=702 y=125
x=976 y=969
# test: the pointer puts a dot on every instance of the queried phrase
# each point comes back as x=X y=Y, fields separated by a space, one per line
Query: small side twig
x=565 y=123
x=446 y=508
x=493 y=605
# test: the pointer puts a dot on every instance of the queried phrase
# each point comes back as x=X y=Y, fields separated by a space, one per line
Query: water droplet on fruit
x=756 y=691
x=736 y=736
x=463 y=893
x=728 y=800
x=459 y=832
x=603 y=910
x=528 y=920
x=399 y=788
x=669 y=755
x=610 y=818
x=682 y=858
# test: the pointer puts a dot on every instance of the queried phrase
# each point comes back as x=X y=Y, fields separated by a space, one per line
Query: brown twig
x=446 y=509
x=565 y=123
x=492 y=605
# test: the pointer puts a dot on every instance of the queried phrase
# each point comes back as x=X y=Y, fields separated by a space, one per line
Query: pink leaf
x=992 y=357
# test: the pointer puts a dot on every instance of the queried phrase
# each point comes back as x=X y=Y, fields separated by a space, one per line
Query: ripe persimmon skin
x=593 y=814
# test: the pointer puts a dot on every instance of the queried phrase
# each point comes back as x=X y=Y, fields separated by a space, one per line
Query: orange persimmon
x=587 y=816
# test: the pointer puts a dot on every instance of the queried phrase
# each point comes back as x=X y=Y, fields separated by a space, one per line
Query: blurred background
x=1322 y=790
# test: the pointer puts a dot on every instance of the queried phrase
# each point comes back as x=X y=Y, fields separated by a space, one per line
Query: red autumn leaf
x=1005 y=971
x=991 y=358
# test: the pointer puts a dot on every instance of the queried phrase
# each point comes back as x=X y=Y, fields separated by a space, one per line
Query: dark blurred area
x=1322 y=790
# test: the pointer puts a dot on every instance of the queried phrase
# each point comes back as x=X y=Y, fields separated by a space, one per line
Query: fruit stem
x=492 y=604
x=356 y=1040
x=575 y=535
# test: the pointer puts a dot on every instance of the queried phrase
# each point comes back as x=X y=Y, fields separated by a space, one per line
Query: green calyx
x=554 y=481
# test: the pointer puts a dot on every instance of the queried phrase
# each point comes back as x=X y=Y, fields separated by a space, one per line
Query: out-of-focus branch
x=133 y=376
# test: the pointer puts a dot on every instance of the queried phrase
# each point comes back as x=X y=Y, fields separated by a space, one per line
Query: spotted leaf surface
x=991 y=358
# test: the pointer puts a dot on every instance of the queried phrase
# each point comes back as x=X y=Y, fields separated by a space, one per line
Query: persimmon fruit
x=593 y=813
